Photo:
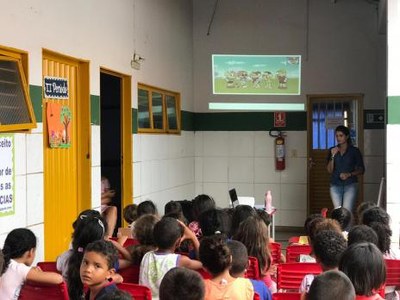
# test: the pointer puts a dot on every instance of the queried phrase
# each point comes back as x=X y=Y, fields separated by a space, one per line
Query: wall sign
x=7 y=177
x=59 y=125
x=55 y=87
x=279 y=119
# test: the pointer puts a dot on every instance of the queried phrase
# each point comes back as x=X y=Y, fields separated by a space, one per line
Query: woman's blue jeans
x=344 y=195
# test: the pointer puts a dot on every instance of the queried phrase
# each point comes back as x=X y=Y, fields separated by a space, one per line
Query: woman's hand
x=334 y=151
x=344 y=176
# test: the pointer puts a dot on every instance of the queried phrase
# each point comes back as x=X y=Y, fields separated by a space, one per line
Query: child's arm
x=127 y=257
x=37 y=275
x=189 y=235
x=186 y=262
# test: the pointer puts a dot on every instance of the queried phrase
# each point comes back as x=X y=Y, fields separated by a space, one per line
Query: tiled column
x=393 y=121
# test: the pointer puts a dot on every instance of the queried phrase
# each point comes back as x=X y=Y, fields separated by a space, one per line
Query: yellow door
x=66 y=170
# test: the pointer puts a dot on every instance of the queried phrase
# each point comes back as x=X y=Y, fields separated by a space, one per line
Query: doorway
x=116 y=136
x=324 y=114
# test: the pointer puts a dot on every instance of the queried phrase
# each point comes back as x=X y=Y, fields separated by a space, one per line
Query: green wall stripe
x=35 y=92
x=187 y=122
x=134 y=120
x=95 y=109
x=393 y=109
x=247 y=121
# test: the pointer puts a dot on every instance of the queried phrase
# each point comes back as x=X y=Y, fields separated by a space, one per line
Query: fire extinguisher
x=279 y=146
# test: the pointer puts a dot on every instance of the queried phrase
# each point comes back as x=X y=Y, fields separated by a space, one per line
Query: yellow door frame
x=126 y=137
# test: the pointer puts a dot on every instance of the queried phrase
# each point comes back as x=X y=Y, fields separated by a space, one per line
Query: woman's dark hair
x=130 y=213
x=143 y=231
x=215 y=254
x=360 y=234
x=215 y=221
x=343 y=216
x=182 y=283
x=241 y=213
x=17 y=242
x=384 y=234
x=166 y=232
x=266 y=217
x=328 y=247
x=375 y=214
x=363 y=263
x=105 y=248
x=146 y=208
x=362 y=208
x=88 y=230
x=253 y=233
x=345 y=131
x=172 y=207
x=201 y=204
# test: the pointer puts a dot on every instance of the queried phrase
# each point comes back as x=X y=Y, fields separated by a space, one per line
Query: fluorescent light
x=256 y=106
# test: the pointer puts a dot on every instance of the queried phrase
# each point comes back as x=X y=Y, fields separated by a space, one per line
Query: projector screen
x=256 y=74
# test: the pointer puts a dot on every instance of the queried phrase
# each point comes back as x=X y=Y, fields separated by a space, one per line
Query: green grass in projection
x=256 y=74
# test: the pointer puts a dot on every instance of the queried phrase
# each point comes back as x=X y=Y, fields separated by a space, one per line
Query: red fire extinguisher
x=279 y=146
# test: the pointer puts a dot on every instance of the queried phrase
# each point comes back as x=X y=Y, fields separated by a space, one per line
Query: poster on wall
x=59 y=125
x=256 y=74
x=7 y=177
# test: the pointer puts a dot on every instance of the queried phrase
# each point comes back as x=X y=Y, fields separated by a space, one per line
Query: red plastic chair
x=204 y=273
x=138 y=292
x=392 y=272
x=130 y=274
x=293 y=252
x=276 y=249
x=293 y=240
x=290 y=275
x=252 y=271
x=48 y=266
x=39 y=291
x=286 y=296
x=256 y=296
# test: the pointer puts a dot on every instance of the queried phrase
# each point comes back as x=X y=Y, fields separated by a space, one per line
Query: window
x=158 y=110
x=16 y=112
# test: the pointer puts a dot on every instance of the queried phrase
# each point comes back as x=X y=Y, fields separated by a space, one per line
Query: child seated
x=97 y=269
x=240 y=261
x=168 y=234
x=360 y=234
x=331 y=285
x=108 y=211
x=200 y=204
x=174 y=209
x=19 y=252
x=344 y=218
x=217 y=260
x=182 y=283
x=328 y=247
x=363 y=263
x=116 y=295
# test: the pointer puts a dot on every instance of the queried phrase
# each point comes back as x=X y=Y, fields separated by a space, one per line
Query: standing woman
x=344 y=163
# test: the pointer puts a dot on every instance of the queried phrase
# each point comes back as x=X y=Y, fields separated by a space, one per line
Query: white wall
x=106 y=33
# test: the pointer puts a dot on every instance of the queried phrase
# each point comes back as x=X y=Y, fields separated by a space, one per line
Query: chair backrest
x=252 y=271
x=256 y=296
x=138 y=292
x=286 y=296
x=293 y=240
x=130 y=274
x=39 y=291
x=204 y=273
x=293 y=252
x=275 y=249
x=392 y=272
x=48 y=266
x=290 y=275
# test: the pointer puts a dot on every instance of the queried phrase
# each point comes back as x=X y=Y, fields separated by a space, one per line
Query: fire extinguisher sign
x=279 y=119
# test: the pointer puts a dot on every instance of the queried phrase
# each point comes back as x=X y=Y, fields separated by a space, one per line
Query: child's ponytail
x=18 y=241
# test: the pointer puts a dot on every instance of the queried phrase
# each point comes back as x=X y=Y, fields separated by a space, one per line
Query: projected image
x=256 y=74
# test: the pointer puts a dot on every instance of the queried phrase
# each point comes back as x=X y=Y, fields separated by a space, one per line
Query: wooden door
x=324 y=114
x=66 y=169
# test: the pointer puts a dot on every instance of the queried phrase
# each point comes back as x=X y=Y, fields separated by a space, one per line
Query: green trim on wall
x=247 y=121
x=393 y=110
x=187 y=122
x=134 y=120
x=95 y=109
x=35 y=92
